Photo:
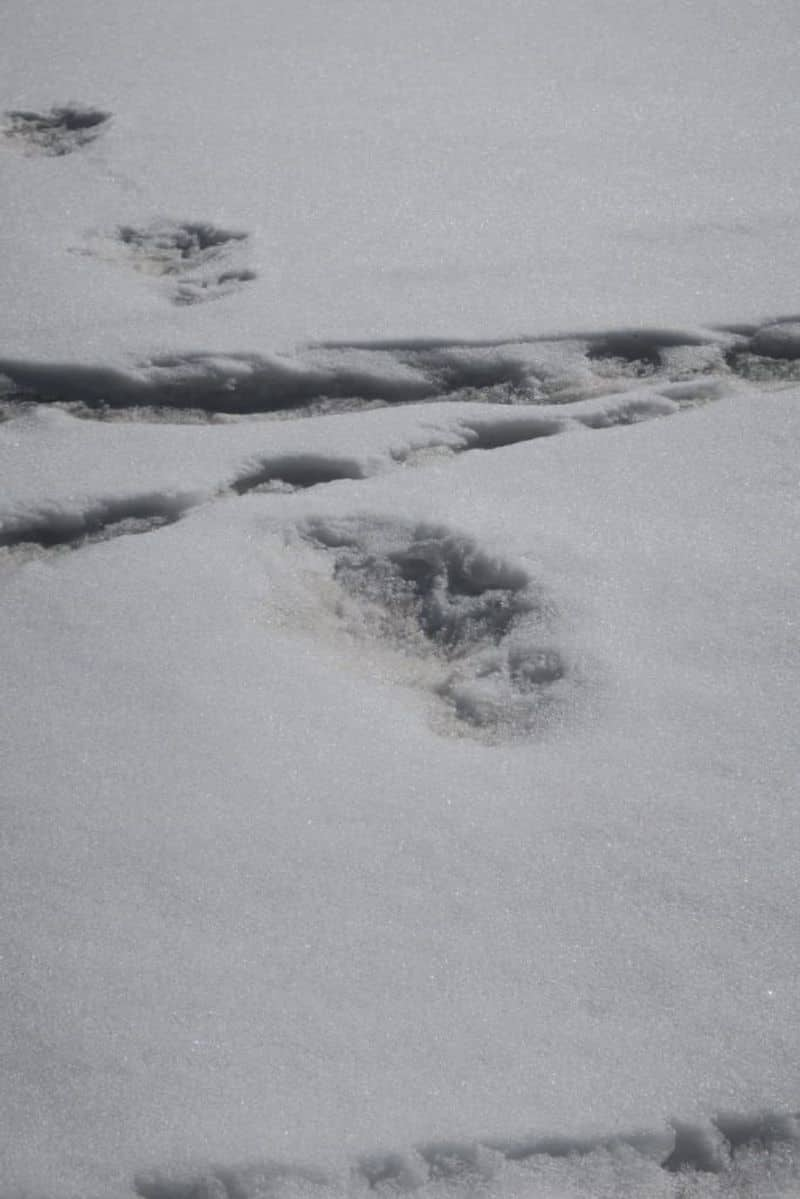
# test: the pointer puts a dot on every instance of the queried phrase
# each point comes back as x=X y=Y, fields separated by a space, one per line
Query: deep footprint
x=435 y=594
x=290 y=472
x=100 y=522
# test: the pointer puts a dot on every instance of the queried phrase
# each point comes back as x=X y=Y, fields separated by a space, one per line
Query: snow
x=401 y=171
x=398 y=557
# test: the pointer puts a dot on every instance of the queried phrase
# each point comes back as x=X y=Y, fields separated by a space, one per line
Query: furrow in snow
x=330 y=377
x=53 y=527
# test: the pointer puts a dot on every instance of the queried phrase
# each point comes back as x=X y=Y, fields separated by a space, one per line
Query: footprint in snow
x=60 y=131
x=480 y=621
x=199 y=261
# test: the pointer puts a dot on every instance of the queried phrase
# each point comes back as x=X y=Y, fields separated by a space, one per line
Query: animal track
x=201 y=261
x=493 y=434
x=195 y=262
x=100 y=522
x=435 y=594
x=295 y=471
x=764 y=1144
x=60 y=131
x=640 y=348
x=171 y=244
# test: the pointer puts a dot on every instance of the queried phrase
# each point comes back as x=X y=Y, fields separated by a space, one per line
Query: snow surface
x=399 y=410
x=398 y=170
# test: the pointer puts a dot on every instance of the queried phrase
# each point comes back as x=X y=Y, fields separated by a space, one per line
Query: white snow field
x=399 y=575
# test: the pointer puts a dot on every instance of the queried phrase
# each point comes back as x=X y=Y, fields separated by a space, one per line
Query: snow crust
x=399 y=569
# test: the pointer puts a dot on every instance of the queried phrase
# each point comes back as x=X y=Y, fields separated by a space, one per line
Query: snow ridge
x=729 y=1155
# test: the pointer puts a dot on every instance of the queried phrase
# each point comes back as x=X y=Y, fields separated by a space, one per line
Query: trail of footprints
x=425 y=588
x=196 y=261
x=51 y=528
x=482 y=626
x=746 y=1154
x=486 y=628
x=199 y=261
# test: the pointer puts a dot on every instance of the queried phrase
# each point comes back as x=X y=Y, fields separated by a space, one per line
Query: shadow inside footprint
x=170 y=247
x=196 y=254
x=457 y=596
x=435 y=594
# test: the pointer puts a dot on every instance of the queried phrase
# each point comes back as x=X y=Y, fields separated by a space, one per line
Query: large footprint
x=482 y=621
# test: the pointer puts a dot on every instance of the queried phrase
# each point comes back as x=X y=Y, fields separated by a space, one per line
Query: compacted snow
x=399 y=410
